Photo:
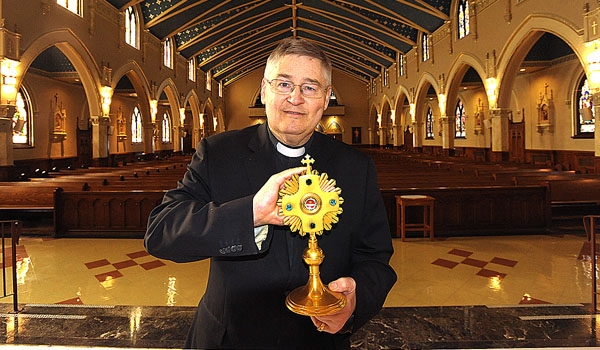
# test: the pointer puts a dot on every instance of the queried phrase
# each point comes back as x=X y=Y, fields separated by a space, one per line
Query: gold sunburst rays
x=309 y=202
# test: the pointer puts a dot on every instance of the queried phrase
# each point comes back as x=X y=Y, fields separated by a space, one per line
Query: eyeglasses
x=284 y=87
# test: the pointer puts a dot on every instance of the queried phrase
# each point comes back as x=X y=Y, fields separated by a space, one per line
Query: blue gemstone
x=288 y=207
x=332 y=202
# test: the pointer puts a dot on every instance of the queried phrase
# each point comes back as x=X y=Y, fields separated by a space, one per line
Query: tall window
x=425 y=47
x=586 y=121
x=168 y=53
x=22 y=125
x=136 y=125
x=74 y=6
x=166 y=128
x=461 y=130
x=401 y=61
x=463 y=19
x=429 y=124
x=192 y=70
x=131 y=28
x=209 y=81
x=386 y=77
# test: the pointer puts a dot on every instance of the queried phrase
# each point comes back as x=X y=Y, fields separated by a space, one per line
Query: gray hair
x=300 y=47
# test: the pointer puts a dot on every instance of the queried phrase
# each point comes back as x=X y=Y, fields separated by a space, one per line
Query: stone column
x=500 y=132
x=100 y=146
x=418 y=136
x=6 y=149
x=149 y=137
x=447 y=133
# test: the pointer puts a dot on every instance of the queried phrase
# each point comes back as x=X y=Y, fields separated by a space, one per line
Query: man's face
x=293 y=117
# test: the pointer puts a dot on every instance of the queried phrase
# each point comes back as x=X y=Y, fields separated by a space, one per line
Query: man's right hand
x=264 y=202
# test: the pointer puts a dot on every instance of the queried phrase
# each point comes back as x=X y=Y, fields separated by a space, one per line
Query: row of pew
x=471 y=198
x=476 y=198
x=92 y=202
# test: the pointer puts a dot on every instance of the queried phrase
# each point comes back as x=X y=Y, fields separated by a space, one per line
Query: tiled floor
x=505 y=270
x=484 y=277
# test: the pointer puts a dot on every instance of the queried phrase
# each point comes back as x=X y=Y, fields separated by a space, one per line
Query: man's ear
x=327 y=97
x=262 y=91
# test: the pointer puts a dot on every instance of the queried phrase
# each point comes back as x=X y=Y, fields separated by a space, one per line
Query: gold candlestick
x=310 y=204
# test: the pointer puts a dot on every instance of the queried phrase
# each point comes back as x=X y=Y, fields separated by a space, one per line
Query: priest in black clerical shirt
x=225 y=209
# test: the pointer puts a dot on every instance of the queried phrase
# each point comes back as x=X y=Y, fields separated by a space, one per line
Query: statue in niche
x=479 y=116
x=544 y=110
x=121 y=124
x=60 y=117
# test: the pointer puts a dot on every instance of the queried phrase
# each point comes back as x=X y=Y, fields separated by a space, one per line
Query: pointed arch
x=74 y=49
x=522 y=40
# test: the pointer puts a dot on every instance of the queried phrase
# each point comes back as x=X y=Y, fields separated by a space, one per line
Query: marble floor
x=468 y=292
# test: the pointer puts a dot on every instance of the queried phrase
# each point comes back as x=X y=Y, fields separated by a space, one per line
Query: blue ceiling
x=232 y=38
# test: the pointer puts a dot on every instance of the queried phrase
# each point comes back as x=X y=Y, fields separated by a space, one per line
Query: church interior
x=486 y=108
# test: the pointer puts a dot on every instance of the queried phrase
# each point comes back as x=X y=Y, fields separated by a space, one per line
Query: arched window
x=429 y=124
x=386 y=77
x=192 y=70
x=131 y=28
x=166 y=128
x=463 y=19
x=22 y=125
x=402 y=67
x=168 y=53
x=461 y=129
x=209 y=81
x=425 y=47
x=74 y=6
x=586 y=121
x=136 y=125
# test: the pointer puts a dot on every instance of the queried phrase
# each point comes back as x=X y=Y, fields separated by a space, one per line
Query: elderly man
x=225 y=208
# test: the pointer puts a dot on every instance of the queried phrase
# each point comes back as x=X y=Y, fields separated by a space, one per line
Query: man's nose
x=296 y=96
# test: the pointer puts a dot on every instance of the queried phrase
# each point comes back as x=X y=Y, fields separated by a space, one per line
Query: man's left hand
x=335 y=322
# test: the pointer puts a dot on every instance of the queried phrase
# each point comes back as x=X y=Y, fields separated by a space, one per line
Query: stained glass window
x=74 y=6
x=401 y=61
x=463 y=19
x=209 y=80
x=131 y=28
x=586 y=117
x=461 y=130
x=167 y=53
x=21 y=120
x=166 y=128
x=136 y=125
x=429 y=124
x=425 y=47
x=192 y=70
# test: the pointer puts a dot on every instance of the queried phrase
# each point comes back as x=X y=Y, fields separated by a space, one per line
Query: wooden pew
x=481 y=211
x=115 y=214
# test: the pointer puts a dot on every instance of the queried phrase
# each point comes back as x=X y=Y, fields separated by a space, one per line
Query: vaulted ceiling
x=232 y=38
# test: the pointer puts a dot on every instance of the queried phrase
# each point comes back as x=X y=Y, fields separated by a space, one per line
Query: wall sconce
x=9 y=72
x=491 y=84
x=153 y=110
x=412 y=108
x=442 y=103
x=181 y=116
x=593 y=61
x=106 y=92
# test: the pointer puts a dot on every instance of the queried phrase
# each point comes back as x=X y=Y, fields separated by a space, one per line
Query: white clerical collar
x=289 y=151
